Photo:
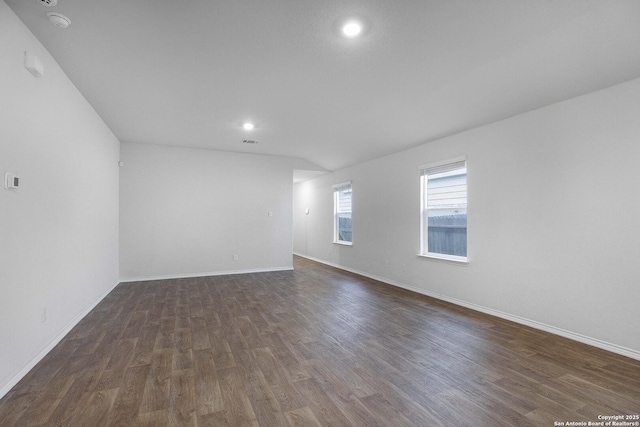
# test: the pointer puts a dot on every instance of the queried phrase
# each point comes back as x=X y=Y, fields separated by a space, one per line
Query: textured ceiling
x=189 y=72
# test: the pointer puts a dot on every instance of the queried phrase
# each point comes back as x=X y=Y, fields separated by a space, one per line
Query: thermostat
x=11 y=181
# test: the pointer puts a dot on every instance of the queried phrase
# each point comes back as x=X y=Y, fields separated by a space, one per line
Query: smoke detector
x=49 y=3
x=59 y=20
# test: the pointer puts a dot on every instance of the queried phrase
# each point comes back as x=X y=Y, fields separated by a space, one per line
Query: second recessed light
x=352 y=28
x=248 y=126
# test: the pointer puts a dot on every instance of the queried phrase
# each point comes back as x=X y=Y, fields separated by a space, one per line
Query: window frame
x=336 y=211
x=424 y=211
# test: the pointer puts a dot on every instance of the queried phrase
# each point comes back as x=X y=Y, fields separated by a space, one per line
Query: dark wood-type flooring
x=311 y=347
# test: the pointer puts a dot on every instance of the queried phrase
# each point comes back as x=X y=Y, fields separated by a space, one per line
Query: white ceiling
x=189 y=72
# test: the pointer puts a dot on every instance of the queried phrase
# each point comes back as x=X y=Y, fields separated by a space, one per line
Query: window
x=443 y=211
x=342 y=198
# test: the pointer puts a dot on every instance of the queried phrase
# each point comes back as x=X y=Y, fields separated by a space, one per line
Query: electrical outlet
x=43 y=315
x=386 y=263
x=269 y=213
x=236 y=257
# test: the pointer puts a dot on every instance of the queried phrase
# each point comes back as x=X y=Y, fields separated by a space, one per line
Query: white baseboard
x=614 y=348
x=29 y=366
x=191 y=275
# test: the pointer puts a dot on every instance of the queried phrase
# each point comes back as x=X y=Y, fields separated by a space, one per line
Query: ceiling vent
x=249 y=141
x=49 y=3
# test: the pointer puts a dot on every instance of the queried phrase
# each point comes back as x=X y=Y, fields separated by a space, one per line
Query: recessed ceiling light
x=248 y=126
x=352 y=29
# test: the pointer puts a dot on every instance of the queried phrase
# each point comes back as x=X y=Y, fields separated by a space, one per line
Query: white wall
x=59 y=231
x=186 y=212
x=554 y=237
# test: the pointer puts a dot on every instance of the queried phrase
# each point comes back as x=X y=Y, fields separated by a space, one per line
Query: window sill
x=340 y=242
x=447 y=258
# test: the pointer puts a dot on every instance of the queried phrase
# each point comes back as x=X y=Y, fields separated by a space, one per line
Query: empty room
x=320 y=213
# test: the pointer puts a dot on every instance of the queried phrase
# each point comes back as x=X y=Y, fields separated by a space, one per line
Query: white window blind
x=344 y=198
x=446 y=186
x=442 y=168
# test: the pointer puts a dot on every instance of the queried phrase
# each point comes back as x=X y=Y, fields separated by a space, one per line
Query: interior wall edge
x=594 y=342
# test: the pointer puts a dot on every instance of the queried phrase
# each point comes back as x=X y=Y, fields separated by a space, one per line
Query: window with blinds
x=342 y=200
x=443 y=213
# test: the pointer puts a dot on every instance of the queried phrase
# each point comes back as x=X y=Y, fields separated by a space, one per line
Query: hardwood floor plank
x=136 y=324
x=91 y=343
x=237 y=405
x=211 y=318
x=264 y=402
x=419 y=408
x=613 y=398
x=13 y=408
x=182 y=399
x=49 y=397
x=262 y=325
x=199 y=334
x=144 y=345
x=385 y=412
x=156 y=391
x=129 y=398
x=302 y=417
x=274 y=375
x=518 y=382
x=520 y=405
x=527 y=390
x=249 y=332
x=494 y=409
x=182 y=358
x=96 y=410
x=71 y=404
x=216 y=419
x=183 y=314
x=44 y=372
x=322 y=407
x=114 y=371
x=311 y=347
x=208 y=393
x=39 y=412
x=57 y=388
x=293 y=368
x=342 y=395
x=165 y=332
x=195 y=305
x=155 y=311
x=153 y=419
